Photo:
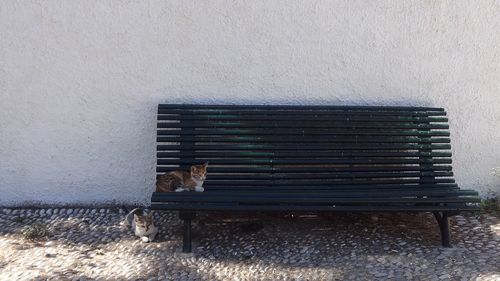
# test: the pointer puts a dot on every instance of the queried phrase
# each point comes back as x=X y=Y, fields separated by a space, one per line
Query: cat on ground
x=178 y=181
x=142 y=224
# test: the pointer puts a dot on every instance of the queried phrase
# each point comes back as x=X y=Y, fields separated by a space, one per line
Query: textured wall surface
x=80 y=80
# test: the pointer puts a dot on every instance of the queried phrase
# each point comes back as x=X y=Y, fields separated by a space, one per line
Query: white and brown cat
x=179 y=181
x=142 y=224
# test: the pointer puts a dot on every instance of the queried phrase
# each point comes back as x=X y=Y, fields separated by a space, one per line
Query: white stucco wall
x=80 y=80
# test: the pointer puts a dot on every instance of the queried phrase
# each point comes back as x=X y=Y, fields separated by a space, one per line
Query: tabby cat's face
x=199 y=172
x=144 y=221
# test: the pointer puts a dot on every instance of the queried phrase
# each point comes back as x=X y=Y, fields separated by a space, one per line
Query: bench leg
x=186 y=239
x=444 y=228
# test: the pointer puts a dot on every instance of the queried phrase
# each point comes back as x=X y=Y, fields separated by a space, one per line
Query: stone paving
x=90 y=244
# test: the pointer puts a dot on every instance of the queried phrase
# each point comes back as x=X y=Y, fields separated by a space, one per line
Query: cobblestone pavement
x=90 y=244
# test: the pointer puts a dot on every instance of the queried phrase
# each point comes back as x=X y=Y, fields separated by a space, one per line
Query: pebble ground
x=90 y=244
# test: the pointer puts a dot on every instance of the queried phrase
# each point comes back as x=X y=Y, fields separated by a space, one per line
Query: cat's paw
x=180 y=189
x=199 y=189
x=145 y=239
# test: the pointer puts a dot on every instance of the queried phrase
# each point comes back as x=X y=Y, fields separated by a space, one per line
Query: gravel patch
x=91 y=244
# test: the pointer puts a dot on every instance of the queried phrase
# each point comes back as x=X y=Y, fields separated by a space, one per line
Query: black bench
x=311 y=158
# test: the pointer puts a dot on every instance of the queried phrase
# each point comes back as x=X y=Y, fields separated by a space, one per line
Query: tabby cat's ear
x=205 y=165
x=193 y=169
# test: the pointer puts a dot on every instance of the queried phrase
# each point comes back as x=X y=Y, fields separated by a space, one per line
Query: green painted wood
x=306 y=117
x=275 y=170
x=296 y=154
x=276 y=110
x=243 y=161
x=318 y=200
x=301 y=132
x=296 y=107
x=301 y=112
x=358 y=194
x=301 y=147
x=270 y=208
x=306 y=157
x=324 y=182
x=343 y=193
x=346 y=185
x=295 y=124
x=297 y=139
x=339 y=175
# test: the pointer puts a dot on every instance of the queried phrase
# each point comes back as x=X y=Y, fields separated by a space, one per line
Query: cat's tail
x=130 y=216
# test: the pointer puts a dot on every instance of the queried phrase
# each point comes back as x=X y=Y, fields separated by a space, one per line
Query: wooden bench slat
x=295 y=154
x=307 y=117
x=275 y=110
x=299 y=107
x=298 y=139
x=331 y=194
x=243 y=161
x=287 y=146
x=270 y=208
x=302 y=132
x=319 y=200
x=406 y=192
x=269 y=169
x=374 y=186
x=348 y=191
x=304 y=112
x=293 y=124
x=311 y=111
x=215 y=176
x=325 y=182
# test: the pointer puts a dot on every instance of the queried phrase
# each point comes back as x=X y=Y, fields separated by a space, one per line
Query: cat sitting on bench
x=179 y=181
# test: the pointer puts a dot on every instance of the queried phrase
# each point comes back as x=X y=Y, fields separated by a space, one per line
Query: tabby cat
x=142 y=224
x=178 y=181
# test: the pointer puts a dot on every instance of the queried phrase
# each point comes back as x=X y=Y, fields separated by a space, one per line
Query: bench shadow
x=325 y=240
x=316 y=231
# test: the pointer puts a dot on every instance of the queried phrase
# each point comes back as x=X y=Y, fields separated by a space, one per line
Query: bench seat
x=318 y=200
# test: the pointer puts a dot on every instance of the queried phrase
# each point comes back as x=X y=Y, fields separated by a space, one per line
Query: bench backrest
x=307 y=147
